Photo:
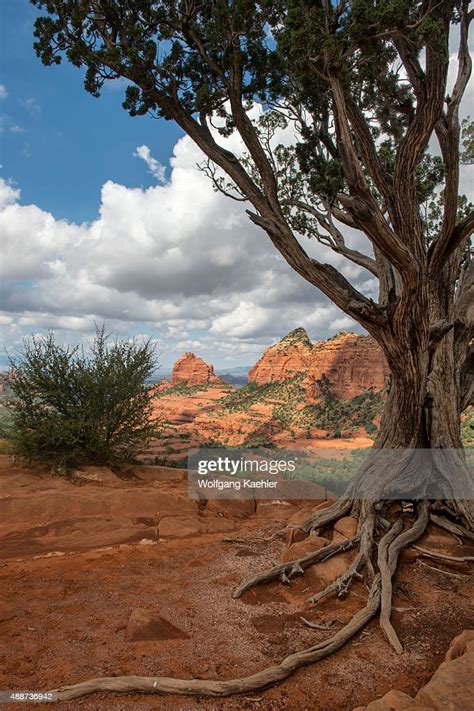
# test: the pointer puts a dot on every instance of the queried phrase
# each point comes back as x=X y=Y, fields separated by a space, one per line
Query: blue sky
x=65 y=143
x=104 y=217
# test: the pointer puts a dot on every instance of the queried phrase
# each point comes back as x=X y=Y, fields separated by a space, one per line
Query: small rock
x=145 y=625
x=450 y=687
x=295 y=535
x=459 y=645
x=347 y=526
x=305 y=513
x=303 y=548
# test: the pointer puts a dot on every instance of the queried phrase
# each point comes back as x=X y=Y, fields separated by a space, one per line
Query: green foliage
x=6 y=422
x=333 y=473
x=75 y=406
x=467 y=427
x=332 y=414
x=467 y=141
x=245 y=398
x=181 y=389
x=175 y=463
x=183 y=62
x=337 y=415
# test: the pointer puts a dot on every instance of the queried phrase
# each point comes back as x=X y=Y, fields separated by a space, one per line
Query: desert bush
x=81 y=405
x=5 y=423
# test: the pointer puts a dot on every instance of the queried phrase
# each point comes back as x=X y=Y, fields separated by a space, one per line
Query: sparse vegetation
x=467 y=427
x=330 y=473
x=75 y=406
x=335 y=415
x=288 y=390
x=181 y=389
x=176 y=464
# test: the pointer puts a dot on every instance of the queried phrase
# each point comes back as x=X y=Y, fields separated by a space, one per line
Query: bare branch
x=324 y=276
x=448 y=133
x=443 y=248
x=429 y=88
x=337 y=243
x=362 y=206
x=361 y=129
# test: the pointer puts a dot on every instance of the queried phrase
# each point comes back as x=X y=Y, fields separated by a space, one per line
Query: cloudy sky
x=106 y=218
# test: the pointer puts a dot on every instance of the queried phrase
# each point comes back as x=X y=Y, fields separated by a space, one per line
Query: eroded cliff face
x=349 y=363
x=296 y=403
x=192 y=370
x=285 y=359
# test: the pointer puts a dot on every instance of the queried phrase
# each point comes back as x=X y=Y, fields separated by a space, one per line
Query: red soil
x=63 y=616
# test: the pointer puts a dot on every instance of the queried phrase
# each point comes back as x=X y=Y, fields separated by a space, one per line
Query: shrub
x=77 y=406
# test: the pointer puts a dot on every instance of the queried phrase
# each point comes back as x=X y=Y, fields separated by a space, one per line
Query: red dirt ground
x=63 y=617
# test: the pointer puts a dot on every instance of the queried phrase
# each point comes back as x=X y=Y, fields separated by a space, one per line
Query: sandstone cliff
x=351 y=364
x=192 y=370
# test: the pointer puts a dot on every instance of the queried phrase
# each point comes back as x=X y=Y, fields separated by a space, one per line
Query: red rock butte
x=192 y=370
x=350 y=363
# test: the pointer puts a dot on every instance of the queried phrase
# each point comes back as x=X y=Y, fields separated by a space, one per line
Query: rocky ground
x=107 y=575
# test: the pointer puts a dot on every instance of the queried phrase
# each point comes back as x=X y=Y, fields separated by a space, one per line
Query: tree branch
x=337 y=242
x=429 y=88
x=359 y=125
x=448 y=133
x=324 y=276
x=361 y=205
x=442 y=249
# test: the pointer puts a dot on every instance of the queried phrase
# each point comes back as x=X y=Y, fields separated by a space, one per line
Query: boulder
x=459 y=645
x=146 y=625
x=347 y=526
x=450 y=688
x=303 y=548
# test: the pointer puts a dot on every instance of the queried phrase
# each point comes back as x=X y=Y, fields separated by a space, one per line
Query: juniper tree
x=363 y=85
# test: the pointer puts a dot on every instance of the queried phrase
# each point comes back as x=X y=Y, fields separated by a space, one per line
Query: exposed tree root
x=324 y=517
x=386 y=578
x=452 y=527
x=428 y=553
x=342 y=584
x=379 y=598
x=286 y=571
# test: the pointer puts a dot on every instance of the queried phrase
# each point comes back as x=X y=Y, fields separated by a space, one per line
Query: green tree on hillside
x=362 y=86
x=79 y=405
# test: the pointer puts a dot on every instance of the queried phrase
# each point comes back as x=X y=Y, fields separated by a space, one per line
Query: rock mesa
x=349 y=363
x=192 y=370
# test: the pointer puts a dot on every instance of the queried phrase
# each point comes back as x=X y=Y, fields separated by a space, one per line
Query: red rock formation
x=160 y=387
x=192 y=370
x=283 y=360
x=351 y=364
